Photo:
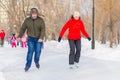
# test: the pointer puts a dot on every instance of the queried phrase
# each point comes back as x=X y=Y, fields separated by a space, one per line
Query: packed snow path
x=102 y=63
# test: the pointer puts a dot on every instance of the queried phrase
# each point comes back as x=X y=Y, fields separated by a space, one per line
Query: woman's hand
x=59 y=39
x=89 y=38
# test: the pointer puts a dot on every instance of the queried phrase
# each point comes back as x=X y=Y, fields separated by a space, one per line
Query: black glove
x=59 y=39
x=89 y=38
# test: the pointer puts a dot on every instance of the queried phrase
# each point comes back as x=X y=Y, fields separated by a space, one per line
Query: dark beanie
x=34 y=10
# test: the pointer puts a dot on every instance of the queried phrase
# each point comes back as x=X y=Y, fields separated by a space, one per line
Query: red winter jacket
x=2 y=35
x=75 y=28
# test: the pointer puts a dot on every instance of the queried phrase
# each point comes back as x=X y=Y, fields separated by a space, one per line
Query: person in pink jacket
x=13 y=40
x=24 y=41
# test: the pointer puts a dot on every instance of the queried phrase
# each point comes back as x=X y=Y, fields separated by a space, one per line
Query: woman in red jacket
x=75 y=27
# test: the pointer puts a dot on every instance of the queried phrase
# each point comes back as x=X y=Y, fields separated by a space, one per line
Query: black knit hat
x=34 y=10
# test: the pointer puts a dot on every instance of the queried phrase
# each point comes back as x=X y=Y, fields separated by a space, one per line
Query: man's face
x=34 y=15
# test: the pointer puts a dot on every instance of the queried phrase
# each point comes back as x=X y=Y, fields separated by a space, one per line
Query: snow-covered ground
x=103 y=63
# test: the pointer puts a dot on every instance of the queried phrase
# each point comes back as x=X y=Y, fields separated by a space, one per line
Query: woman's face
x=76 y=17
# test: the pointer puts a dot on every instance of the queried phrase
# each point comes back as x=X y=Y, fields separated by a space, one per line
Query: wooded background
x=57 y=12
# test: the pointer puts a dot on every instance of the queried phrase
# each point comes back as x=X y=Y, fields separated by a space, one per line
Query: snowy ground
x=102 y=63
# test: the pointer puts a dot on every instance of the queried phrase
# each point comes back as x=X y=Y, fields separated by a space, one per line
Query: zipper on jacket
x=34 y=28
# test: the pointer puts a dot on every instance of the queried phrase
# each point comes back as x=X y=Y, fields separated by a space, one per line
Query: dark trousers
x=2 y=42
x=75 y=49
x=33 y=46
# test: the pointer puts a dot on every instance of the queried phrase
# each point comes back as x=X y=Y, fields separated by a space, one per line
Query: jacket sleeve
x=42 y=35
x=22 y=29
x=65 y=27
x=83 y=30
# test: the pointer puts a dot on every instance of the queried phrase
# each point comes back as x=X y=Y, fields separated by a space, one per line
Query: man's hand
x=40 y=40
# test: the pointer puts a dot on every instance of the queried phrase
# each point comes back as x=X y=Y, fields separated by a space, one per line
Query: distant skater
x=24 y=41
x=2 y=36
x=13 y=41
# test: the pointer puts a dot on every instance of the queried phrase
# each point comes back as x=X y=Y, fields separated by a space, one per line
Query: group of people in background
x=12 y=40
x=2 y=36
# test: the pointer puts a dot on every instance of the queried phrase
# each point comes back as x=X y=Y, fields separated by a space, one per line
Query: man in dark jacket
x=35 y=27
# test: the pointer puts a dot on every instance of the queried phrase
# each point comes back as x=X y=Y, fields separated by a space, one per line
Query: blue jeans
x=33 y=46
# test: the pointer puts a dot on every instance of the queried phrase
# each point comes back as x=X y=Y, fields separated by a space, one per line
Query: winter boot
x=26 y=69
x=71 y=66
x=37 y=65
x=76 y=65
